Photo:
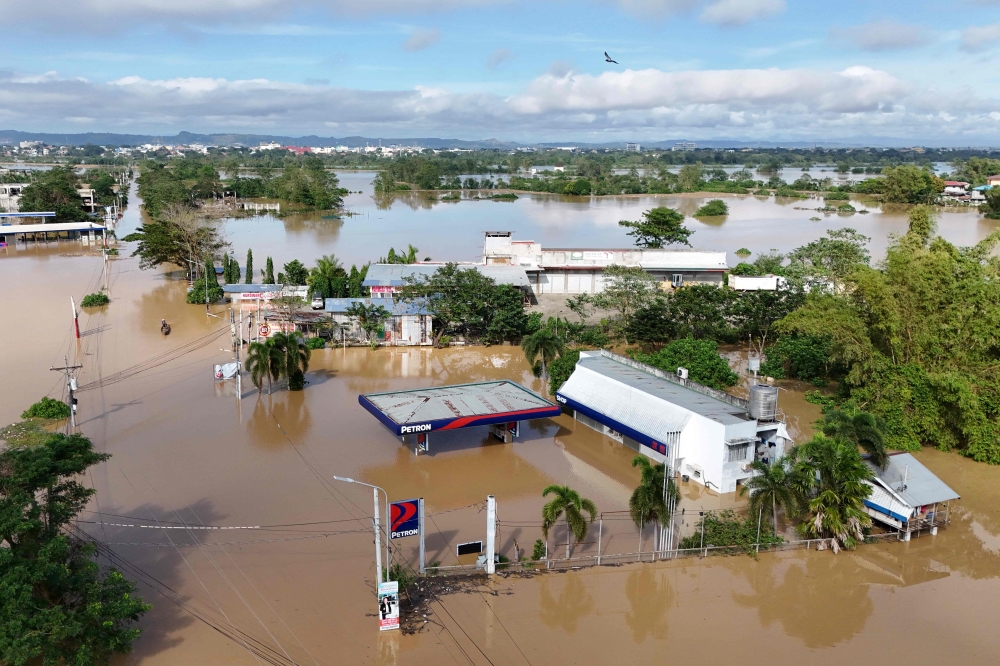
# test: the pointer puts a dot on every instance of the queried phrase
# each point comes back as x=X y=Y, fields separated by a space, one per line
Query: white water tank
x=763 y=402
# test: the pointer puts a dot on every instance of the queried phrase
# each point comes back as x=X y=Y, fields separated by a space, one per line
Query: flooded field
x=300 y=577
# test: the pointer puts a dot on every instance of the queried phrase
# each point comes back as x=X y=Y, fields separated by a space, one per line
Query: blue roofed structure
x=409 y=323
x=908 y=496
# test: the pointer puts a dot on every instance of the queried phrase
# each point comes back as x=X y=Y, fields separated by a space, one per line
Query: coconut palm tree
x=544 y=343
x=773 y=485
x=862 y=429
x=294 y=358
x=264 y=360
x=651 y=499
x=567 y=503
x=836 y=507
x=327 y=276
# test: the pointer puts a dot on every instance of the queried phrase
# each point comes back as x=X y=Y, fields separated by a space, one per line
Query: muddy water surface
x=186 y=451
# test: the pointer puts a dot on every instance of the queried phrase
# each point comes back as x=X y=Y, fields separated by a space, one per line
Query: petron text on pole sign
x=405 y=519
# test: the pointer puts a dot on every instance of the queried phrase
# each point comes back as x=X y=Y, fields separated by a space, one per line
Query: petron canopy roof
x=459 y=406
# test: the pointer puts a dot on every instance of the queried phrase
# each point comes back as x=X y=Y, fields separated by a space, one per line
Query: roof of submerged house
x=910 y=481
x=392 y=275
x=398 y=308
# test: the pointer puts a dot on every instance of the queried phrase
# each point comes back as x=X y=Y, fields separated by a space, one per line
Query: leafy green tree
x=836 y=504
x=264 y=361
x=652 y=324
x=991 y=208
x=689 y=177
x=210 y=274
x=567 y=503
x=832 y=257
x=458 y=299
x=370 y=317
x=544 y=345
x=976 y=170
x=55 y=190
x=59 y=606
x=700 y=357
x=910 y=184
x=699 y=311
x=917 y=337
x=269 y=272
x=805 y=357
x=410 y=257
x=249 y=273
x=714 y=208
x=754 y=313
x=504 y=314
x=660 y=226
x=579 y=187
x=428 y=176
x=355 y=281
x=178 y=237
x=627 y=290
x=47 y=408
x=773 y=485
x=197 y=294
x=651 y=498
x=860 y=429
x=295 y=273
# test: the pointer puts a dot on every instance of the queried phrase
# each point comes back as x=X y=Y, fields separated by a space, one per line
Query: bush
x=787 y=191
x=700 y=357
x=95 y=300
x=593 y=336
x=836 y=196
x=47 y=408
x=315 y=343
x=538 y=552
x=444 y=341
x=726 y=529
x=762 y=192
x=580 y=187
x=713 y=208
x=805 y=357
x=846 y=208
x=561 y=368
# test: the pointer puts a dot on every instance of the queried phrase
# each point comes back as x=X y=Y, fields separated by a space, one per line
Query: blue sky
x=904 y=72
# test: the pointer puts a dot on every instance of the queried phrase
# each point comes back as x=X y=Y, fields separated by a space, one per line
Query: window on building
x=738 y=452
x=677 y=280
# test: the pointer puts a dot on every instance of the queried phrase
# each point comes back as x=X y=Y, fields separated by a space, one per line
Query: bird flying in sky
x=607 y=58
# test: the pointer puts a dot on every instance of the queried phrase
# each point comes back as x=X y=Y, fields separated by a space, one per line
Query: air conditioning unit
x=682 y=373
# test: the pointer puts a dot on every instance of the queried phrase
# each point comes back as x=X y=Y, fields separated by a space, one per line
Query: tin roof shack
x=384 y=280
x=581 y=270
x=909 y=497
x=707 y=435
x=408 y=325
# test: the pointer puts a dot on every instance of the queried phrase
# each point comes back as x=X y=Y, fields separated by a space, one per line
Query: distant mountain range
x=185 y=138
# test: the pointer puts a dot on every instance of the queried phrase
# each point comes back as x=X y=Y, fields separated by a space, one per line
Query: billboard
x=388 y=605
x=405 y=519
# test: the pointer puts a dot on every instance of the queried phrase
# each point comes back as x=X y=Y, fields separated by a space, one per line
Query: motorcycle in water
x=164 y=327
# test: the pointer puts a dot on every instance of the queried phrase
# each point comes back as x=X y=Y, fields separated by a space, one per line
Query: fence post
x=600 y=531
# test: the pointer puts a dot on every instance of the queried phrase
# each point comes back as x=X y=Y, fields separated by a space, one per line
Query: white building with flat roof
x=709 y=436
x=581 y=270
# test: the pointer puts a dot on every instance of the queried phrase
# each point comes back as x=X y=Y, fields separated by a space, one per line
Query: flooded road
x=299 y=573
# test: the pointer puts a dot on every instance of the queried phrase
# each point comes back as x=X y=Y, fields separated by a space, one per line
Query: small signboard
x=470 y=548
x=405 y=517
x=264 y=330
x=388 y=605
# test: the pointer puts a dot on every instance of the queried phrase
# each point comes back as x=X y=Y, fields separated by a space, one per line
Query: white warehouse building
x=704 y=434
x=581 y=270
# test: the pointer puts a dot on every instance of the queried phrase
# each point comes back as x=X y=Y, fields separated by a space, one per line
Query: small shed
x=909 y=497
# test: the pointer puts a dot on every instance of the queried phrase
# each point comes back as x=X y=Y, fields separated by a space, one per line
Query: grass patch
x=26 y=433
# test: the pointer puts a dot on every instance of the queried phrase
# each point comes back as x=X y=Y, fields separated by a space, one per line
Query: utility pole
x=71 y=401
x=491 y=530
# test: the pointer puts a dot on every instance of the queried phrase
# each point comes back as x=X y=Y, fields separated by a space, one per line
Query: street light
x=378 y=534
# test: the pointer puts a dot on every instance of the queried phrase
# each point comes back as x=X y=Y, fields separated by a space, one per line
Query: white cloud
x=422 y=38
x=882 y=36
x=754 y=103
x=498 y=57
x=739 y=12
x=980 y=38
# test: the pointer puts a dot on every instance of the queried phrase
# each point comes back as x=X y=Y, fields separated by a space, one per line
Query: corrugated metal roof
x=922 y=487
x=641 y=400
x=341 y=305
x=237 y=288
x=884 y=501
x=456 y=402
x=391 y=275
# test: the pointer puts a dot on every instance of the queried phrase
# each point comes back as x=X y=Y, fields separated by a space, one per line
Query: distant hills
x=184 y=138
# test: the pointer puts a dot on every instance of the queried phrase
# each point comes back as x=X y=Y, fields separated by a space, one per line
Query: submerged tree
x=651 y=499
x=660 y=226
x=543 y=344
x=567 y=503
x=771 y=486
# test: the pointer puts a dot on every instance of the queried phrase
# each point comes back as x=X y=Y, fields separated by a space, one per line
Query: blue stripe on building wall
x=642 y=438
x=882 y=509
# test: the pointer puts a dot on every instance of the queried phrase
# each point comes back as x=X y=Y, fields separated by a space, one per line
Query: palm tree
x=544 y=343
x=264 y=359
x=651 y=499
x=839 y=490
x=294 y=358
x=567 y=502
x=773 y=485
x=325 y=276
x=862 y=429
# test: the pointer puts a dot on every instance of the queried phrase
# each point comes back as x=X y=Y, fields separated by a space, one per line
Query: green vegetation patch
x=47 y=408
x=714 y=208
x=95 y=300
x=700 y=357
x=724 y=529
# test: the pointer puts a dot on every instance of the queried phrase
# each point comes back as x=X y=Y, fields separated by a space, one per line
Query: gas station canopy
x=461 y=406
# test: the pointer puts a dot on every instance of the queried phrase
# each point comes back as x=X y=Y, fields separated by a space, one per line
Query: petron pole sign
x=407 y=519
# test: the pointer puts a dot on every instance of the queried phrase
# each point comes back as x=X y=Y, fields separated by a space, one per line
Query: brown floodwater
x=186 y=451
